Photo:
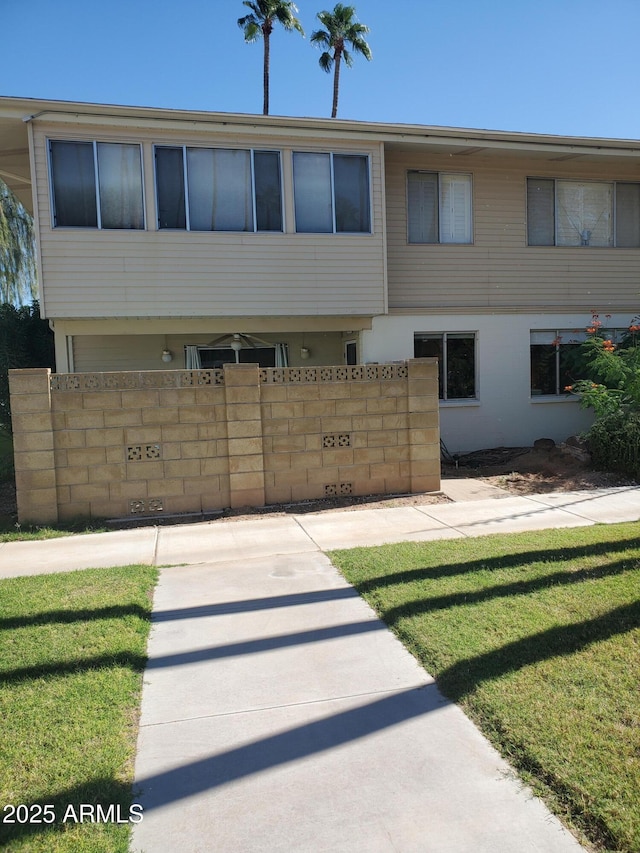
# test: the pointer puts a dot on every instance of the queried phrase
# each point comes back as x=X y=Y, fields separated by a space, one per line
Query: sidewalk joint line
x=156 y=542
x=287 y=705
x=306 y=533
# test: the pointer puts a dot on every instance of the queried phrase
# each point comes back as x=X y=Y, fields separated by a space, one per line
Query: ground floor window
x=204 y=357
x=554 y=361
x=456 y=353
x=555 y=358
x=264 y=356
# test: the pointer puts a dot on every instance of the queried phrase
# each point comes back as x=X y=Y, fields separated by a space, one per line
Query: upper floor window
x=218 y=189
x=582 y=213
x=96 y=184
x=439 y=207
x=456 y=354
x=331 y=193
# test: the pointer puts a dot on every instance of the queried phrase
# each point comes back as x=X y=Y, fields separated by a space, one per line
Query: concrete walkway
x=278 y=712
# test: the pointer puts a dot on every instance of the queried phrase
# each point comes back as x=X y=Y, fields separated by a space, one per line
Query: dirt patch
x=528 y=471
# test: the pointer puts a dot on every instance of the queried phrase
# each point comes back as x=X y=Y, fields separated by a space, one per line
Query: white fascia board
x=297 y=127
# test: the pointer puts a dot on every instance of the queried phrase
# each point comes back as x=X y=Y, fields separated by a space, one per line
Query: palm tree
x=341 y=29
x=264 y=14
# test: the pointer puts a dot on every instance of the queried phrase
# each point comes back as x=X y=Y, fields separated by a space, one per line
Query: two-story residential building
x=185 y=239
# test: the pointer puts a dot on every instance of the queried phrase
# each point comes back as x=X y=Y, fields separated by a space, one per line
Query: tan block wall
x=169 y=442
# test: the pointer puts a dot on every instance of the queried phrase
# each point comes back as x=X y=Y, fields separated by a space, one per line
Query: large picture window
x=439 y=207
x=96 y=184
x=331 y=193
x=582 y=213
x=456 y=354
x=218 y=189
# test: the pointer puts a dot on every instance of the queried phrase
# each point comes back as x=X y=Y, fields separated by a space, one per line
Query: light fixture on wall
x=167 y=355
x=305 y=352
x=236 y=346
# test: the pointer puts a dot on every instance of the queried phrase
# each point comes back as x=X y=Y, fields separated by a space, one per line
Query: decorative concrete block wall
x=110 y=445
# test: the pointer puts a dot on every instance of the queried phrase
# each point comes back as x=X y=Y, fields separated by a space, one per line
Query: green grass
x=72 y=653
x=537 y=636
x=10 y=531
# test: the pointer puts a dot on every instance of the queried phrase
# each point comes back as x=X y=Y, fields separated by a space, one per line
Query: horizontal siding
x=499 y=270
x=91 y=273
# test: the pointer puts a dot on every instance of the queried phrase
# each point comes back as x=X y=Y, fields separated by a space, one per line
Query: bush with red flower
x=613 y=392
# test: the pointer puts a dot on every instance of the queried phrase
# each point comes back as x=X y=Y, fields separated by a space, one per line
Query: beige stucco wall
x=171 y=442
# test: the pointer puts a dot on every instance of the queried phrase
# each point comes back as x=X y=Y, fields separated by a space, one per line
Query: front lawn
x=537 y=636
x=72 y=653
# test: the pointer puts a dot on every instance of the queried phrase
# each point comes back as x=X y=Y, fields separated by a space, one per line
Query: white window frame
x=441 y=237
x=185 y=172
x=566 y=337
x=444 y=366
x=352 y=342
x=94 y=143
x=331 y=154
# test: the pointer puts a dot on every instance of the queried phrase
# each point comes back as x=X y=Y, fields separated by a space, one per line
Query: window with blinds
x=439 y=207
x=582 y=213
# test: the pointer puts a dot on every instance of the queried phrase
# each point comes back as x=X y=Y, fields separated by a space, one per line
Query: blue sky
x=549 y=66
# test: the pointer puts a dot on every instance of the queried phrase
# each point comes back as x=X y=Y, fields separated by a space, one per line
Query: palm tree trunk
x=265 y=75
x=336 y=83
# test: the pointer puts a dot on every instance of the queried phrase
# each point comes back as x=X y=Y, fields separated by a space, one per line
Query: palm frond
x=252 y=29
x=360 y=46
x=283 y=12
x=321 y=38
x=326 y=61
x=250 y=5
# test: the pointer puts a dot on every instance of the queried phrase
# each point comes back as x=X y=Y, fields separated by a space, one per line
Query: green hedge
x=25 y=341
x=614 y=442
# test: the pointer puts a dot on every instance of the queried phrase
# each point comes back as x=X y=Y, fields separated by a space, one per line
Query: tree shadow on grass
x=129 y=660
x=463 y=677
x=508 y=590
x=506 y=561
x=68 y=617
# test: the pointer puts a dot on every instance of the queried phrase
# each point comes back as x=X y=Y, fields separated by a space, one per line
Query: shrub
x=613 y=392
x=25 y=341
x=614 y=442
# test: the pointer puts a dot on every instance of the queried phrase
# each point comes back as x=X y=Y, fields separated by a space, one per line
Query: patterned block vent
x=135 y=380
x=342 y=439
x=140 y=452
x=346 y=373
x=149 y=505
x=336 y=489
